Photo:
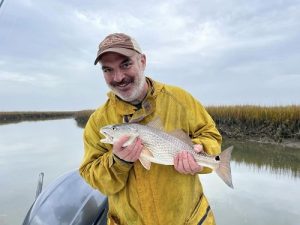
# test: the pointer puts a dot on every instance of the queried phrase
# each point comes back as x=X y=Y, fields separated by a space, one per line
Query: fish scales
x=161 y=147
x=165 y=146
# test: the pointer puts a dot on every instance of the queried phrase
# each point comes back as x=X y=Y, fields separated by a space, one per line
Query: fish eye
x=114 y=128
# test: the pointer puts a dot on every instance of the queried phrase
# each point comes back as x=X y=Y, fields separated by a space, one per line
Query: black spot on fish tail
x=217 y=158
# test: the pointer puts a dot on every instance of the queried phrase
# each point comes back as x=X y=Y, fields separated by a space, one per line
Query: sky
x=232 y=52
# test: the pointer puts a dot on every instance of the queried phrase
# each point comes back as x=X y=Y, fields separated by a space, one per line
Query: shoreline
x=276 y=126
x=286 y=143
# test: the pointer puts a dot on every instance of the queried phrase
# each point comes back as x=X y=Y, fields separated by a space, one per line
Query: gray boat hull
x=69 y=200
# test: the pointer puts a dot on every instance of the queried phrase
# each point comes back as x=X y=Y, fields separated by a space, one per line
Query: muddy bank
x=267 y=135
x=275 y=125
x=291 y=143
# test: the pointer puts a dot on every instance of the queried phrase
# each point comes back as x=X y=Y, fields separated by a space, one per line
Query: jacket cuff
x=205 y=170
x=118 y=164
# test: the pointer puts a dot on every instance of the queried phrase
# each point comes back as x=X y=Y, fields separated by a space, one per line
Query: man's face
x=125 y=75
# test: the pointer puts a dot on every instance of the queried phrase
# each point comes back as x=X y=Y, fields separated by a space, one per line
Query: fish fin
x=146 y=152
x=145 y=162
x=180 y=134
x=136 y=120
x=144 y=158
x=224 y=171
x=156 y=123
x=130 y=140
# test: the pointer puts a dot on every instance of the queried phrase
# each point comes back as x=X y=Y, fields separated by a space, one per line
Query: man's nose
x=118 y=76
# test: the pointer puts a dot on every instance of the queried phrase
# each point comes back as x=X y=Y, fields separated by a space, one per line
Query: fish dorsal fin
x=182 y=136
x=156 y=123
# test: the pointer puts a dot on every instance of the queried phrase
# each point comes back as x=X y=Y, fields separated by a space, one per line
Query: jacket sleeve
x=204 y=131
x=99 y=167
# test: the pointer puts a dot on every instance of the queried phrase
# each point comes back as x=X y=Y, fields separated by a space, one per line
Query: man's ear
x=143 y=61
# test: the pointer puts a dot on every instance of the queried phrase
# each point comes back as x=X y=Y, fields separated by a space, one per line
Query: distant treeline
x=82 y=117
x=16 y=117
x=275 y=123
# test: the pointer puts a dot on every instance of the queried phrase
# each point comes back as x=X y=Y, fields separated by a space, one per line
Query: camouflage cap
x=119 y=43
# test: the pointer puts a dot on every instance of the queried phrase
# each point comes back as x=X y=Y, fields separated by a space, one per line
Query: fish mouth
x=108 y=138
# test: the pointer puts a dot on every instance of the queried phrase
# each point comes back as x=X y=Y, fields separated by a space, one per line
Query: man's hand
x=130 y=153
x=185 y=163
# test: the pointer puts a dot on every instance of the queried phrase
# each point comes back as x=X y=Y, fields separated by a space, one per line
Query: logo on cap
x=112 y=41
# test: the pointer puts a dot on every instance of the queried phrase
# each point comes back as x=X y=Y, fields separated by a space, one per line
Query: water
x=266 y=177
x=28 y=148
x=266 y=186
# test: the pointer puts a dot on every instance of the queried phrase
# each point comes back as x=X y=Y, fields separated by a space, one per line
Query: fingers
x=198 y=148
x=130 y=153
x=194 y=166
x=185 y=163
x=121 y=142
x=134 y=150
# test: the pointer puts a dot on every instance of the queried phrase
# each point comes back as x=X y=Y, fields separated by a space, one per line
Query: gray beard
x=136 y=92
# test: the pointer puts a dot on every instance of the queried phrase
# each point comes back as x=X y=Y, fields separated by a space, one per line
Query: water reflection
x=261 y=157
x=28 y=148
x=56 y=147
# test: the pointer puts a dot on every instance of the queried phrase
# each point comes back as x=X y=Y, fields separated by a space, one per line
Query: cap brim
x=123 y=51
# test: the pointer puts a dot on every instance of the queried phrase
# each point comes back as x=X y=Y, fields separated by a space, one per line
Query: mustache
x=125 y=80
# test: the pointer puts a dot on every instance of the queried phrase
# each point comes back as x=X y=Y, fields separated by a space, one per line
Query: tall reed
x=276 y=122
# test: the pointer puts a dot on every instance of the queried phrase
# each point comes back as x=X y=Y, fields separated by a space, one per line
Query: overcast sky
x=223 y=52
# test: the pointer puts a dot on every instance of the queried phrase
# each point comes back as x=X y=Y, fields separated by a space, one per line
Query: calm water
x=266 y=177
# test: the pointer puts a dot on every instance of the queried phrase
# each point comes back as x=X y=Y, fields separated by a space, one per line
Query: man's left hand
x=184 y=162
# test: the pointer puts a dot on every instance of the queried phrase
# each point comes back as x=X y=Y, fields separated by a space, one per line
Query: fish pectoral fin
x=144 y=158
x=130 y=140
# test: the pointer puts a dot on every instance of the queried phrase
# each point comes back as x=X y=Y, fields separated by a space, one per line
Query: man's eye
x=106 y=70
x=126 y=65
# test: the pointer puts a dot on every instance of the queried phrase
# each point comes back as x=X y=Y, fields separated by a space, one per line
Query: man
x=167 y=195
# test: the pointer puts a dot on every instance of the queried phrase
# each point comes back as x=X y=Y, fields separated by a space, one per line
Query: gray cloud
x=223 y=52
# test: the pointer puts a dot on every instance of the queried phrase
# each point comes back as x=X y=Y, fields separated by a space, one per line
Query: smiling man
x=136 y=196
x=124 y=76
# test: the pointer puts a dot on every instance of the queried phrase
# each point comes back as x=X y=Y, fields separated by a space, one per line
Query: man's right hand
x=130 y=153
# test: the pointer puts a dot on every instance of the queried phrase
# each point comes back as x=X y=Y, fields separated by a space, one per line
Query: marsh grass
x=239 y=121
x=278 y=122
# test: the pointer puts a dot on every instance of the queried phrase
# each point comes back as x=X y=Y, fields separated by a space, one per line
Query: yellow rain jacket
x=160 y=196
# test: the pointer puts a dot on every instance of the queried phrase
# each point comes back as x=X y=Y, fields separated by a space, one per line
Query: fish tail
x=224 y=170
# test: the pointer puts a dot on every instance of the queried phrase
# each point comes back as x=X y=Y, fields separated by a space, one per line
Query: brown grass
x=276 y=122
